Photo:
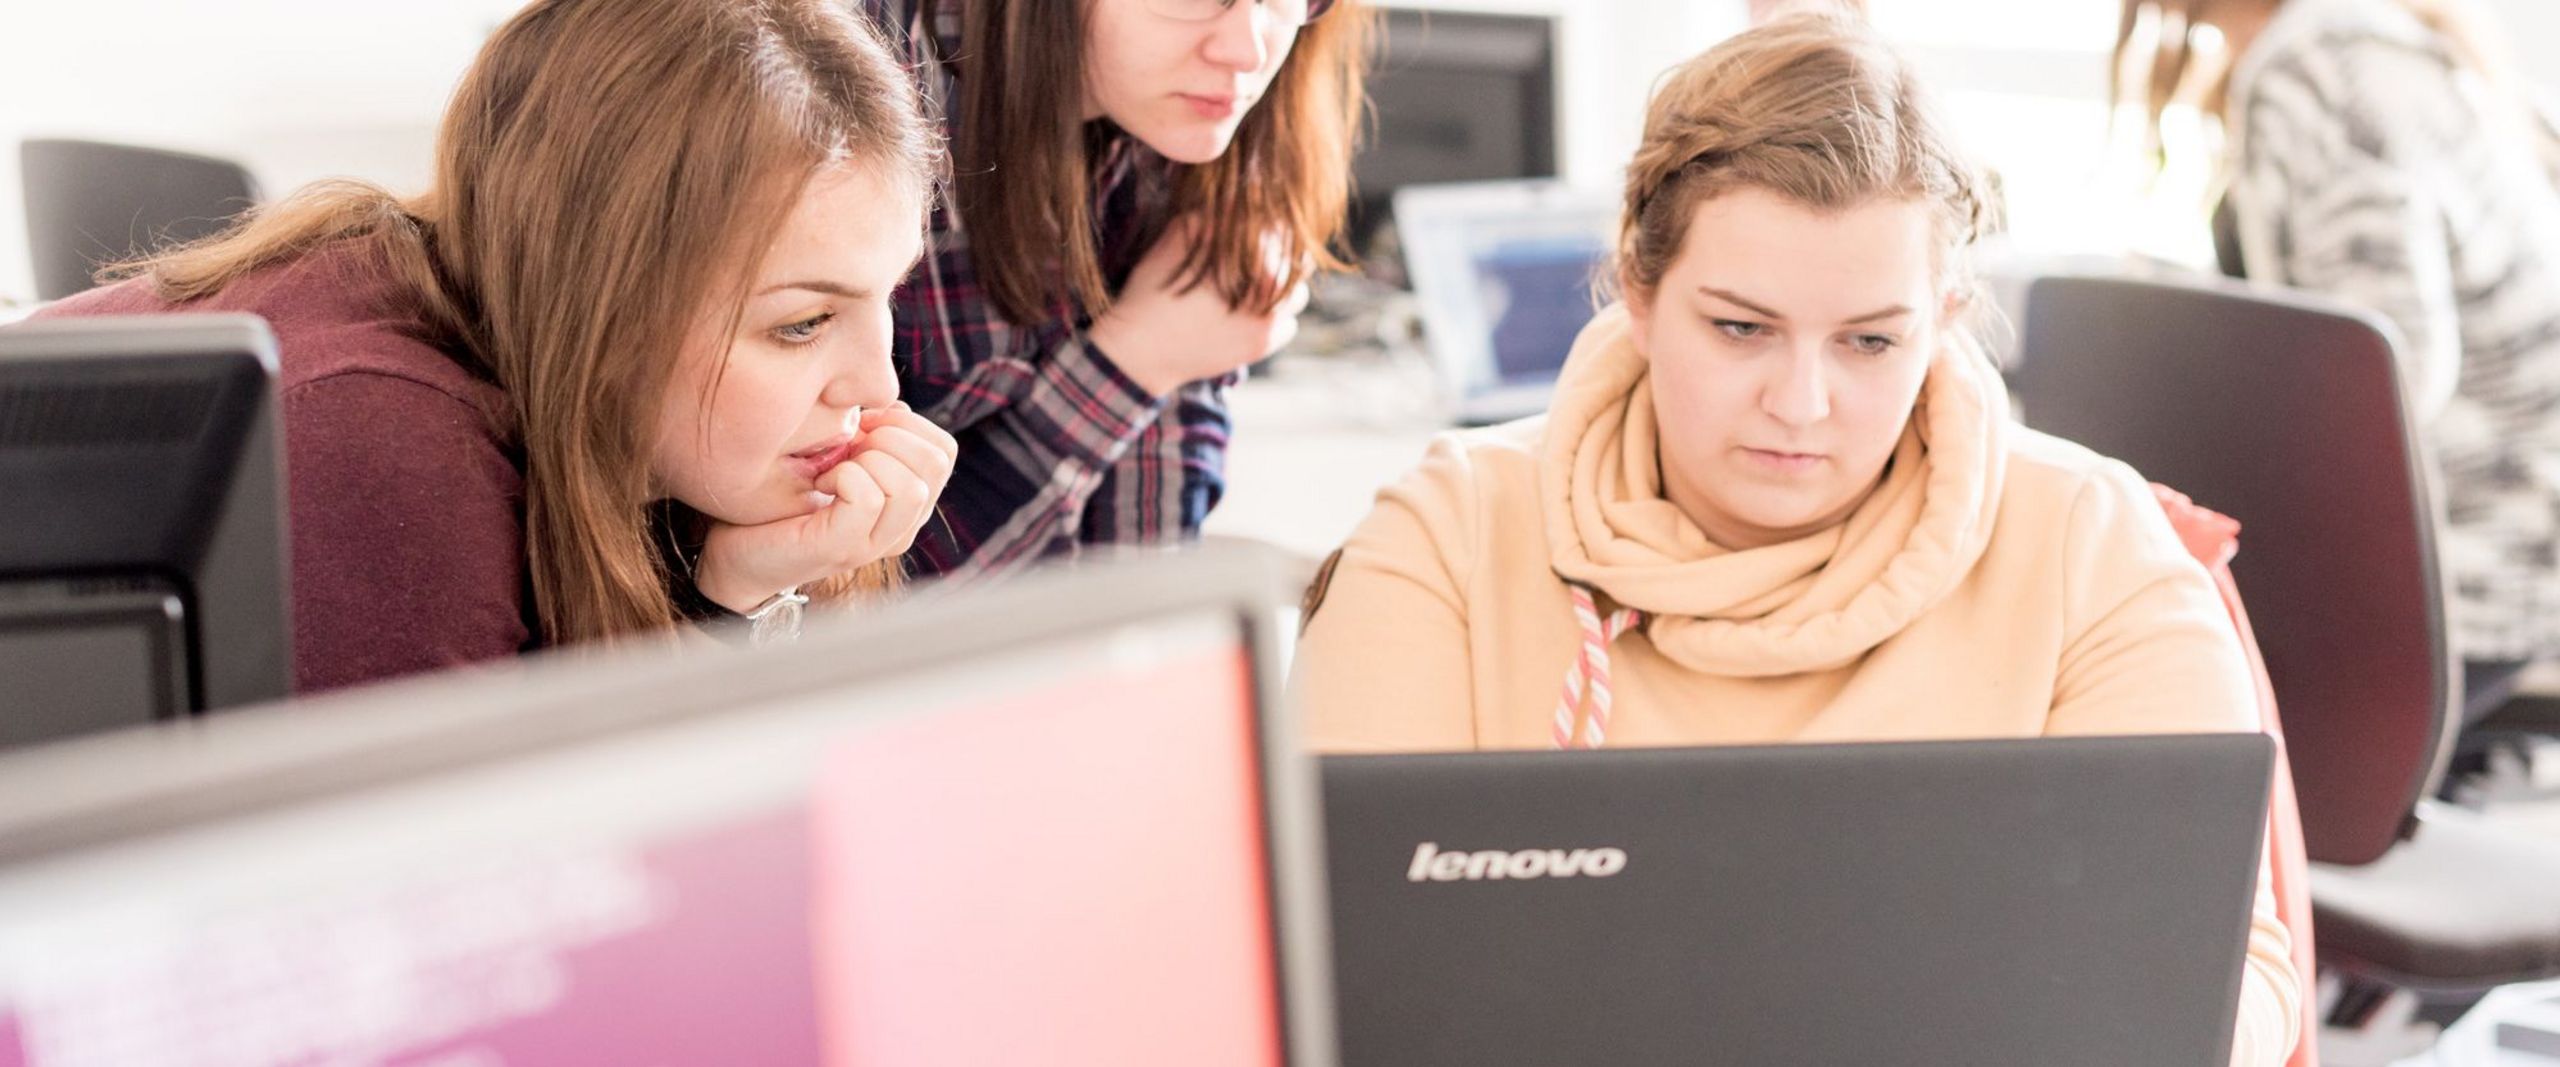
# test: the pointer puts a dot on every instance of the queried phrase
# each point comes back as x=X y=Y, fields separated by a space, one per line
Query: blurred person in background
x=2386 y=153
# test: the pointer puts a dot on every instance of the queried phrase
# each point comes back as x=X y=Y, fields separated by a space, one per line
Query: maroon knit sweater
x=405 y=483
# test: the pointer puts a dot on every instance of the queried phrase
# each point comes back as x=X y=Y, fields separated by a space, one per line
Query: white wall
x=300 y=89
x=2534 y=27
x=1608 y=53
x=296 y=89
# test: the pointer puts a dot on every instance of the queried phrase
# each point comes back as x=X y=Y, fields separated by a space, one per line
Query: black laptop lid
x=2050 y=901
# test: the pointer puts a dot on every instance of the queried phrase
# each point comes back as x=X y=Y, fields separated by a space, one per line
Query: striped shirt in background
x=1058 y=448
x=2371 y=166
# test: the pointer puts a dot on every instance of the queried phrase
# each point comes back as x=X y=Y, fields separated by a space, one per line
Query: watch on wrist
x=778 y=618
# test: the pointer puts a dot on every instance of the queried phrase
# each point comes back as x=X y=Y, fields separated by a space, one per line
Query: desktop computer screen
x=142 y=549
x=1456 y=97
x=1055 y=824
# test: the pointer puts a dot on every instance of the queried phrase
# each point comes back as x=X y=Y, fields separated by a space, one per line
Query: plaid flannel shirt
x=1058 y=447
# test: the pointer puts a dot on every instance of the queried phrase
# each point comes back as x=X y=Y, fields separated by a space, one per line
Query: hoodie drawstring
x=1590 y=670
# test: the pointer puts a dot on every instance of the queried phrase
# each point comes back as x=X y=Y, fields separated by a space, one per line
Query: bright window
x=2025 y=82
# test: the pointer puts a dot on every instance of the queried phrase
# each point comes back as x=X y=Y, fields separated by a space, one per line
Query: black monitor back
x=142 y=563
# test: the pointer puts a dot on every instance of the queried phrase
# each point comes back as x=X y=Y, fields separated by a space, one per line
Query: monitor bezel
x=62 y=799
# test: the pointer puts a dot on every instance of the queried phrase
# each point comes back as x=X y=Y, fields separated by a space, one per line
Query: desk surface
x=1313 y=445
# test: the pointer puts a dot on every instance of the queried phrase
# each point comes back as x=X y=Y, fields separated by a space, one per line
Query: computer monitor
x=142 y=570
x=1061 y=822
x=1457 y=97
x=1503 y=275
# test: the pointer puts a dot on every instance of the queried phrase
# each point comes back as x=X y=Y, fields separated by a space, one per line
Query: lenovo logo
x=1432 y=865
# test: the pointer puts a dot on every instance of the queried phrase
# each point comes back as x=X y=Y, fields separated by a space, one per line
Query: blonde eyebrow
x=1746 y=304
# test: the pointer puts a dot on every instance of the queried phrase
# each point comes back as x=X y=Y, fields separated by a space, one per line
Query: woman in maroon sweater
x=625 y=364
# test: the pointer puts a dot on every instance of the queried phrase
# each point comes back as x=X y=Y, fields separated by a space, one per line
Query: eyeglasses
x=1290 y=13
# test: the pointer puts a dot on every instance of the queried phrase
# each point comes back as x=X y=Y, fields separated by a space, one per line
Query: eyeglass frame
x=1315 y=10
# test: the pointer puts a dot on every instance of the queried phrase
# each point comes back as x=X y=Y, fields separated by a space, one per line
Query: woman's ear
x=1639 y=315
x=1957 y=302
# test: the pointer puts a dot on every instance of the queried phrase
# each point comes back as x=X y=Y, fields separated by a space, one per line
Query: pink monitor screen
x=1055 y=856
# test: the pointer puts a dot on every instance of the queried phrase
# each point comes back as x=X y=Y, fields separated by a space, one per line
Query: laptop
x=1503 y=272
x=2045 y=901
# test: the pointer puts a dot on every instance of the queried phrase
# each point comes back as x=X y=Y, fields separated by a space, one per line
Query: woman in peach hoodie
x=1778 y=497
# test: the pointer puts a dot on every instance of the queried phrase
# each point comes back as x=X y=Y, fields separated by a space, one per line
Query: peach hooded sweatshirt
x=1998 y=583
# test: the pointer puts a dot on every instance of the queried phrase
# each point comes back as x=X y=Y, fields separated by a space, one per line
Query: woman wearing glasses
x=1141 y=189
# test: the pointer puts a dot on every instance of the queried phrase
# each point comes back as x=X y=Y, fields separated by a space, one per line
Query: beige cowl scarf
x=1810 y=604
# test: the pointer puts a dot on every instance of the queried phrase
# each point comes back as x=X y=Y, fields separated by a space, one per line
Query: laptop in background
x=1060 y=822
x=2046 y=901
x=1503 y=272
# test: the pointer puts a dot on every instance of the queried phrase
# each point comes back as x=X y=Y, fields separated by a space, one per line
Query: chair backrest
x=90 y=204
x=2287 y=414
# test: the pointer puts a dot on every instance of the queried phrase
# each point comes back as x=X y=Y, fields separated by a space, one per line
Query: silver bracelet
x=777 y=619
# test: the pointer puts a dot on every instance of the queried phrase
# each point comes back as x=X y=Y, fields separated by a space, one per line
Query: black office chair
x=2286 y=413
x=91 y=204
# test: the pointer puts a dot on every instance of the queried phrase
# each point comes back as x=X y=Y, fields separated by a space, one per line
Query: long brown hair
x=1021 y=162
x=605 y=177
x=1815 y=108
x=2156 y=54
